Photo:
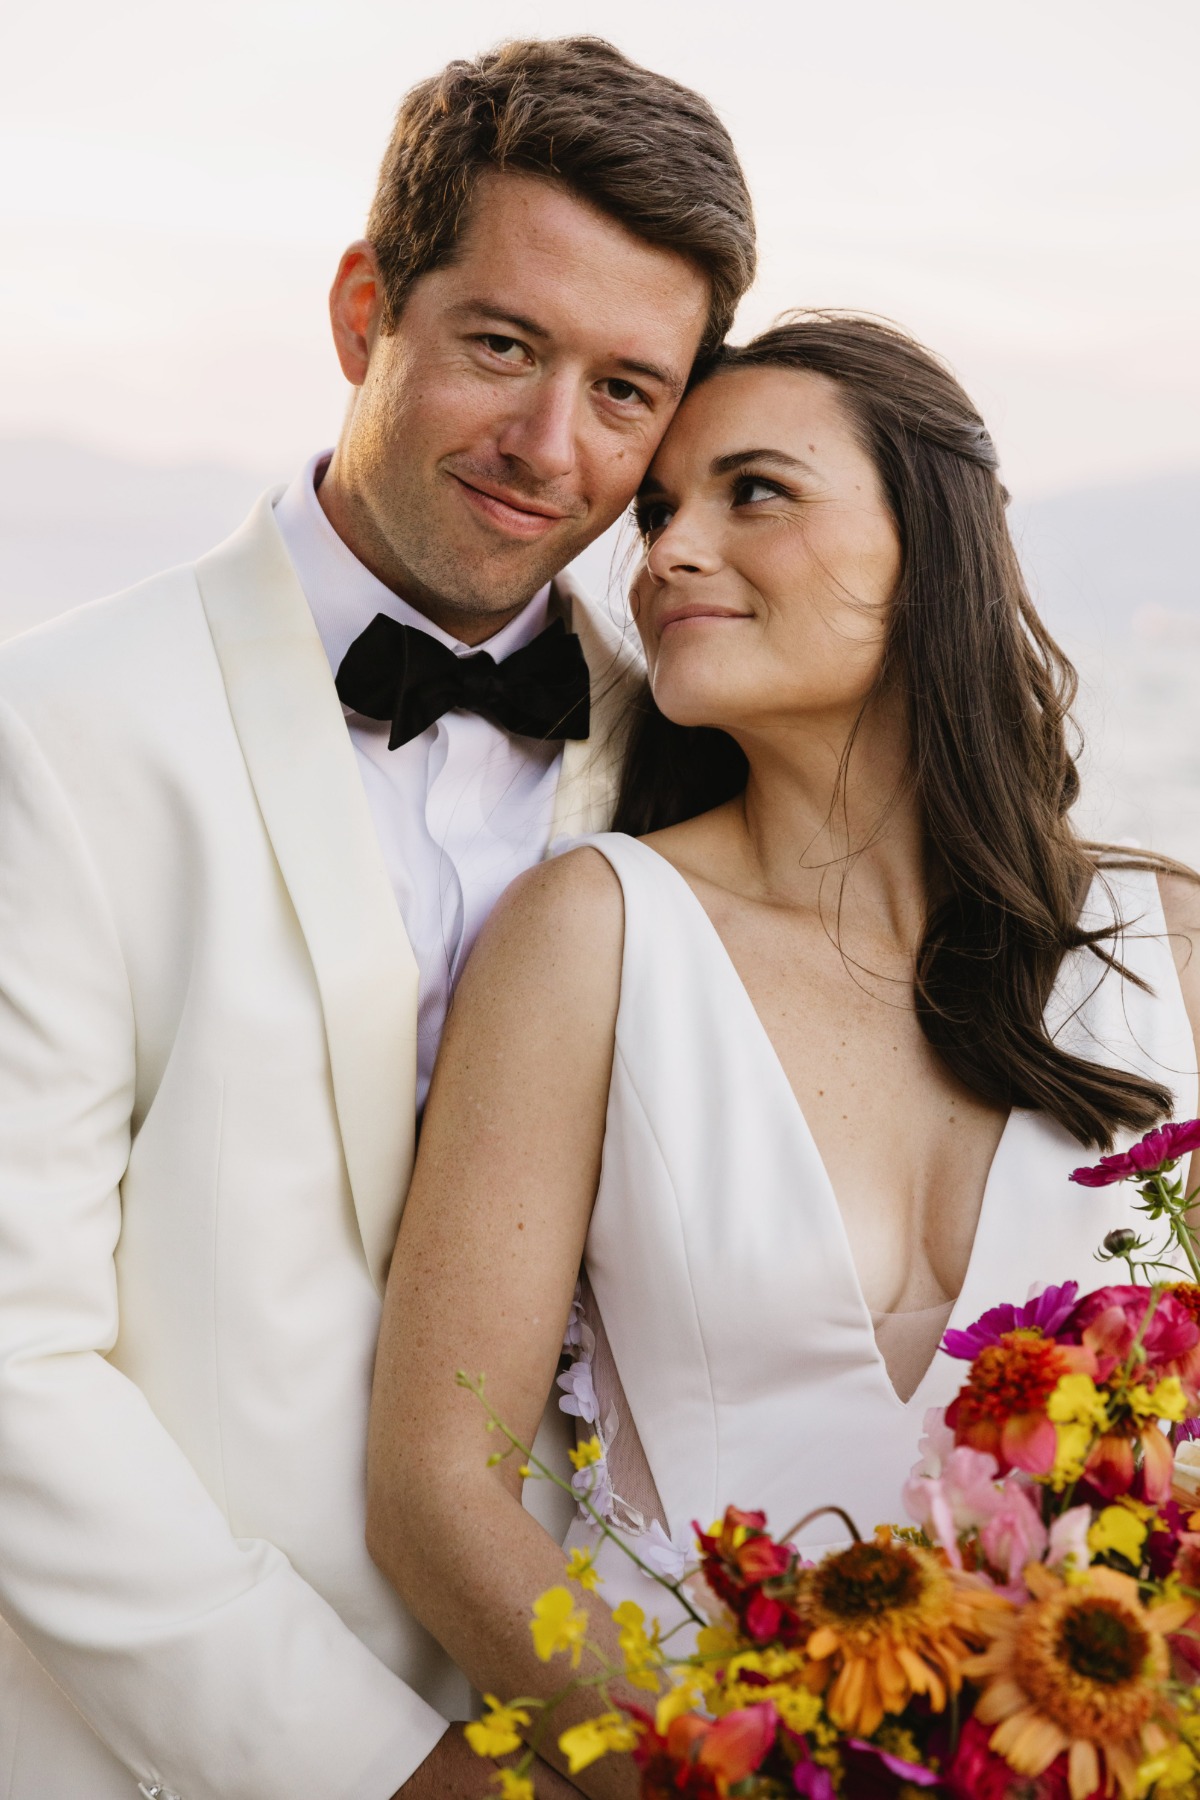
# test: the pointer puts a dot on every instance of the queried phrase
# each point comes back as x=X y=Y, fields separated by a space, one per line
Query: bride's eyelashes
x=652 y=515
x=752 y=490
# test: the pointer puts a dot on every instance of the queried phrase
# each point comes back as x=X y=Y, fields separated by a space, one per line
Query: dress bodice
x=717 y=1254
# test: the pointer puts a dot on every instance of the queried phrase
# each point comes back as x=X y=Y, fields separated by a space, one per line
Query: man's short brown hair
x=646 y=151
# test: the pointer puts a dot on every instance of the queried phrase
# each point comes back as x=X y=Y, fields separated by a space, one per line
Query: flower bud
x=1121 y=1241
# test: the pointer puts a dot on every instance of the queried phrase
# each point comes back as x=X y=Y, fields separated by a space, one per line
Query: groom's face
x=509 y=418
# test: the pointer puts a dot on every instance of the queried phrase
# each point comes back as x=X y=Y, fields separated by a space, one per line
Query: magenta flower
x=1157 y=1151
x=1109 y=1320
x=870 y=1771
x=1046 y=1313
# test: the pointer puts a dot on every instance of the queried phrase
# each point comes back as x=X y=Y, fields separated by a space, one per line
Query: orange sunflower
x=1080 y=1670
x=889 y=1620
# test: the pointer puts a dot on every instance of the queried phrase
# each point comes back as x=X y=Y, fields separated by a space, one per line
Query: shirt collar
x=344 y=596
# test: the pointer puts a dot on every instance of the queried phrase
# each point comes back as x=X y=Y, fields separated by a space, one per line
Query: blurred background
x=1019 y=185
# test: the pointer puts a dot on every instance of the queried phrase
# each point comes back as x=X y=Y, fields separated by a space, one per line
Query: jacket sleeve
x=202 y=1660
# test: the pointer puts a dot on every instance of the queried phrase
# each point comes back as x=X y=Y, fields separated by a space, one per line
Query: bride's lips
x=697 y=613
x=511 y=514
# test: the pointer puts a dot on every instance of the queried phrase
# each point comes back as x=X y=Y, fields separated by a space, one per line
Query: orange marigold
x=889 y=1620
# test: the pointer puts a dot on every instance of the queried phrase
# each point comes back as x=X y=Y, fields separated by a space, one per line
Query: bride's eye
x=749 y=490
x=652 y=516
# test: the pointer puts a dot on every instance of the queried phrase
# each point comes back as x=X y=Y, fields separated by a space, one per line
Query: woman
x=800 y=1073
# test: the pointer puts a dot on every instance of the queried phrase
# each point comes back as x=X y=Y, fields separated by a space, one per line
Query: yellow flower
x=1080 y=1672
x=1166 y=1401
x=1077 y=1401
x=638 y=1649
x=581 y=1567
x=590 y=1451
x=557 y=1625
x=513 y=1786
x=586 y=1743
x=1070 y=1454
x=496 y=1734
x=678 y=1700
x=1117 y=1529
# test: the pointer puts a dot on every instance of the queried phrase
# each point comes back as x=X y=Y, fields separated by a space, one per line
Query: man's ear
x=354 y=306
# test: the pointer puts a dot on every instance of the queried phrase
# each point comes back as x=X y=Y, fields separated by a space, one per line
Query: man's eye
x=622 y=391
x=509 y=349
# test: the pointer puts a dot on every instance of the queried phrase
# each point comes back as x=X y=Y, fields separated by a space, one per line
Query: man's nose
x=543 y=430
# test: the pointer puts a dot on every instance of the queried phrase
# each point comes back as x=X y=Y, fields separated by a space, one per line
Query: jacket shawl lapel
x=591 y=767
x=293 y=735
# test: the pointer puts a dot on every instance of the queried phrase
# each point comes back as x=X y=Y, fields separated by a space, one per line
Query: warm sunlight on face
x=509 y=418
x=770 y=557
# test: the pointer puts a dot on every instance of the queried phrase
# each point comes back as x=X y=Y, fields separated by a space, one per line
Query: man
x=233 y=902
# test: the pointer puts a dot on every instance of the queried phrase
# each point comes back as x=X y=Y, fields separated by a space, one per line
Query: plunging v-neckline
x=776 y=1063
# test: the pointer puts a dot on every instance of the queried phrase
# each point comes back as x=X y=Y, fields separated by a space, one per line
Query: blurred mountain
x=1114 y=569
x=76 y=523
x=1106 y=560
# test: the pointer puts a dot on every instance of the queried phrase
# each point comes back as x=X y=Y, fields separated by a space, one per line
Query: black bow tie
x=397 y=672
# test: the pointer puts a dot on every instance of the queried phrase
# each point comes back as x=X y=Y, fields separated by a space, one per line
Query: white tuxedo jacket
x=207 y=1066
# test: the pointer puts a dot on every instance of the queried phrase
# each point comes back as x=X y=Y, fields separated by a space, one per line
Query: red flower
x=1159 y=1150
x=1109 y=1322
x=977 y=1773
x=751 y=1574
x=1002 y=1406
x=703 y=1758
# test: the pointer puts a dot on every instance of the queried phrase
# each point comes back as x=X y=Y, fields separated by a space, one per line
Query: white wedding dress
x=722 y=1345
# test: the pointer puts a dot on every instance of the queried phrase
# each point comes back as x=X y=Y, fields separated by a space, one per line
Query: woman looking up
x=796 y=1071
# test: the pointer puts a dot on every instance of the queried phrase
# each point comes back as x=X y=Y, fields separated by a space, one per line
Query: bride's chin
x=689 y=706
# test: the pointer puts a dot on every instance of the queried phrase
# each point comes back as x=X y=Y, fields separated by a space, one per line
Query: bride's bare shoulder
x=561 y=924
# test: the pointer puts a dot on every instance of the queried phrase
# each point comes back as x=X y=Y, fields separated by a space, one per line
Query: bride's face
x=770 y=557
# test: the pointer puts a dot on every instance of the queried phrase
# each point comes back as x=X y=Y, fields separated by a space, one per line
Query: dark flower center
x=868 y=1579
x=1102 y=1643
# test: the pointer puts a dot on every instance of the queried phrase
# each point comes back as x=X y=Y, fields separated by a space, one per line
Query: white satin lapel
x=293 y=735
x=591 y=768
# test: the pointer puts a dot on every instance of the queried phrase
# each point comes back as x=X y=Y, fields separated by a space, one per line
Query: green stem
x=585 y=1500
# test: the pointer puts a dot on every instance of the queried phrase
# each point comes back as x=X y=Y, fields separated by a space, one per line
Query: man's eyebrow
x=486 y=309
x=738 y=459
x=672 y=381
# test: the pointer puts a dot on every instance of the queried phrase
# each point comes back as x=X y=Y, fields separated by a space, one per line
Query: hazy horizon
x=1020 y=190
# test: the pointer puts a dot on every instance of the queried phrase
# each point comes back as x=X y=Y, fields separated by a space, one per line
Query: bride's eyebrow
x=738 y=459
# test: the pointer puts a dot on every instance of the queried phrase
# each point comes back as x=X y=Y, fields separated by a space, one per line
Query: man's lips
x=512 y=514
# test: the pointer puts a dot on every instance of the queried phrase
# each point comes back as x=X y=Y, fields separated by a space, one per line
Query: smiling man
x=253 y=814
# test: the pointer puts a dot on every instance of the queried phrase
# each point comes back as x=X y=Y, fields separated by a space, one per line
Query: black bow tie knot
x=397 y=672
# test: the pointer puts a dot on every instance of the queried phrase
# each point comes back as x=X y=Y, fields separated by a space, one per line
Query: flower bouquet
x=1033 y=1632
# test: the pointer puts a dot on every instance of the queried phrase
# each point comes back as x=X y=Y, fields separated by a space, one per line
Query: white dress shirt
x=461 y=809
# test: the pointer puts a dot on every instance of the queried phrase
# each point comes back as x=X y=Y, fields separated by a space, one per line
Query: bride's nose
x=682 y=547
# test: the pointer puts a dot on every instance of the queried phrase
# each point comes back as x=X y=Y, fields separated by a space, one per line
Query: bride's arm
x=483 y=1276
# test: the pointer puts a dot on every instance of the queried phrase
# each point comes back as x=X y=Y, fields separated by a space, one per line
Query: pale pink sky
x=1019 y=184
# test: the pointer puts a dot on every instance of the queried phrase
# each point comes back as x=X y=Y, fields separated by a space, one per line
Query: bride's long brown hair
x=988 y=695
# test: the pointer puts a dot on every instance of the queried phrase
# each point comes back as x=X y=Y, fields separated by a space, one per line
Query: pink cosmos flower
x=1044 y=1312
x=961 y=1497
x=1069 y=1539
x=1014 y=1535
x=1158 y=1150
